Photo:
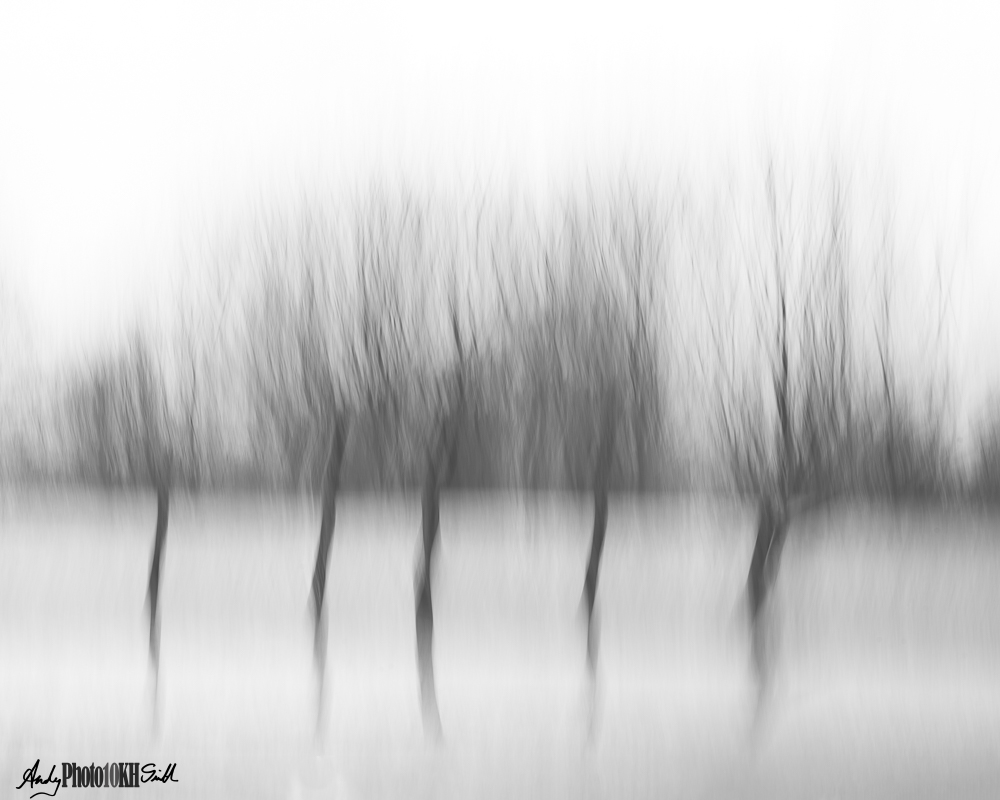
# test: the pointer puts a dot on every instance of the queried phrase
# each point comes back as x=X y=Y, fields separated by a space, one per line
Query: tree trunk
x=331 y=484
x=593 y=569
x=602 y=476
x=441 y=465
x=772 y=527
x=425 y=610
x=153 y=593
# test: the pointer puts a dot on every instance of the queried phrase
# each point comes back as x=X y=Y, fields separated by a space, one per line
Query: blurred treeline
x=744 y=342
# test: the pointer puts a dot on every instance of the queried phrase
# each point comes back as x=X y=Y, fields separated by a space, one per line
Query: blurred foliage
x=813 y=408
x=986 y=481
x=544 y=351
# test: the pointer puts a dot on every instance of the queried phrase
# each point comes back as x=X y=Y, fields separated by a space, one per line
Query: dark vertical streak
x=331 y=484
x=771 y=529
x=430 y=524
x=442 y=462
x=602 y=478
x=593 y=569
x=153 y=593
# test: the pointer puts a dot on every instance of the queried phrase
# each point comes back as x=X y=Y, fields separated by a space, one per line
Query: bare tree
x=448 y=410
x=803 y=425
x=789 y=434
x=302 y=393
x=124 y=425
x=331 y=486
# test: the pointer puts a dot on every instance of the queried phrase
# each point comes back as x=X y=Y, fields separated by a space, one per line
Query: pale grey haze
x=886 y=661
x=130 y=129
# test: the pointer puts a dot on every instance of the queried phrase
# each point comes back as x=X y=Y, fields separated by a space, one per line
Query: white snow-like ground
x=885 y=649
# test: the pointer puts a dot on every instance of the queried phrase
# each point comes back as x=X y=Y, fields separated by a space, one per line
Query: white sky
x=124 y=127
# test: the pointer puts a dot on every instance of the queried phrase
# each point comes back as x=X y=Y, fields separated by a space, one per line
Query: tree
x=817 y=410
x=448 y=408
x=331 y=486
x=126 y=437
x=300 y=391
x=789 y=422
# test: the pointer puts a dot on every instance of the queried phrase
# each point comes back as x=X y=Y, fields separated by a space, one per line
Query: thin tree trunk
x=593 y=569
x=442 y=461
x=153 y=594
x=602 y=476
x=772 y=527
x=153 y=591
x=425 y=611
x=331 y=484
